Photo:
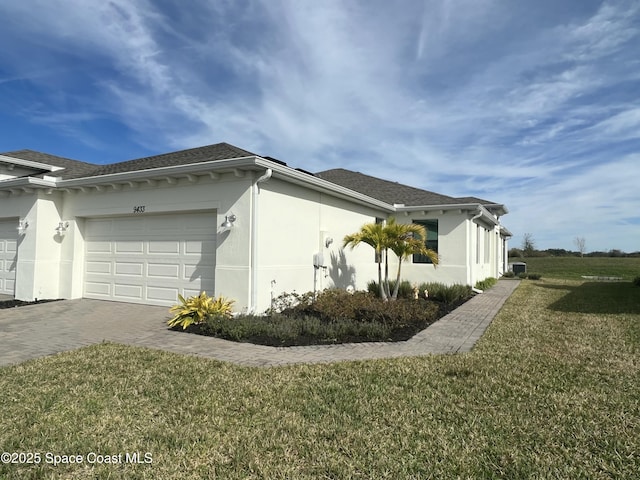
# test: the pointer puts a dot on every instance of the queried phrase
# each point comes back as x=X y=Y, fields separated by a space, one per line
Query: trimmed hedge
x=486 y=284
x=439 y=292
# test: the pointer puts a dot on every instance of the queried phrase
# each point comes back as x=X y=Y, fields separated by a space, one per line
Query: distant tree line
x=561 y=252
x=528 y=249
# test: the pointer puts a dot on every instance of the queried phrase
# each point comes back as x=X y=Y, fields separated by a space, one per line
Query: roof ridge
x=185 y=150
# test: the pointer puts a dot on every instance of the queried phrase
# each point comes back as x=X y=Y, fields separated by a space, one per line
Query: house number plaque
x=139 y=209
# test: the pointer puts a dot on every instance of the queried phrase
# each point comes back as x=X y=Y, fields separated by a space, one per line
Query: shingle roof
x=384 y=190
x=71 y=167
x=76 y=169
x=474 y=200
x=219 y=151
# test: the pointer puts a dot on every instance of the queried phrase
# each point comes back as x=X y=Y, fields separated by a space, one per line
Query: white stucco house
x=219 y=219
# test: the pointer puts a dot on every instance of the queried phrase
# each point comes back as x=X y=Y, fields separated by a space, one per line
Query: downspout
x=253 y=276
x=471 y=253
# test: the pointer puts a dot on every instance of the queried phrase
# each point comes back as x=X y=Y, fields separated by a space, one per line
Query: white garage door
x=150 y=259
x=8 y=256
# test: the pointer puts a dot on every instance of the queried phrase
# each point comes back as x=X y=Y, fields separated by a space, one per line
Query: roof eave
x=150 y=173
x=26 y=182
x=30 y=164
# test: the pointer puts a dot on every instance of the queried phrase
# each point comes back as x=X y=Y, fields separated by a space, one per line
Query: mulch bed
x=20 y=303
x=399 y=334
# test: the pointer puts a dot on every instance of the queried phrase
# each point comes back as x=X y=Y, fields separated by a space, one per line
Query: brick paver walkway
x=49 y=328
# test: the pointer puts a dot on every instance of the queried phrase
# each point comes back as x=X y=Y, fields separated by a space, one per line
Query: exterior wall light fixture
x=229 y=220
x=22 y=226
x=62 y=227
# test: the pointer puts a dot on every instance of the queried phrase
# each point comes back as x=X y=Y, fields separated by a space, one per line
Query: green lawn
x=551 y=391
x=575 y=267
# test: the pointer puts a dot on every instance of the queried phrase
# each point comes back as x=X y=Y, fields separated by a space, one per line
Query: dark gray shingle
x=71 y=167
x=385 y=190
x=76 y=169
x=219 y=151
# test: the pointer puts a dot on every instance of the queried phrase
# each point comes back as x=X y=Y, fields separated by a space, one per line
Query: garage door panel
x=163 y=294
x=163 y=270
x=198 y=271
x=136 y=269
x=165 y=255
x=98 y=267
x=99 y=247
x=129 y=291
x=100 y=289
x=129 y=246
x=195 y=247
x=163 y=247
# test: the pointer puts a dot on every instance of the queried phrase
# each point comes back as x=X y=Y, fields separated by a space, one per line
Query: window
x=432 y=239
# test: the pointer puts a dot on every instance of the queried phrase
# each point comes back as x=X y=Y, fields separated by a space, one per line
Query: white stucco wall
x=224 y=195
x=452 y=249
x=290 y=223
x=52 y=267
x=294 y=223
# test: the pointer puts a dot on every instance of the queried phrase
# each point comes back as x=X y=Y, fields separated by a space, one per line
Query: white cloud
x=457 y=96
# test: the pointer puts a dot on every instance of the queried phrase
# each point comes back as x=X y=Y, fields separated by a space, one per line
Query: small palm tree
x=374 y=235
x=406 y=239
x=402 y=239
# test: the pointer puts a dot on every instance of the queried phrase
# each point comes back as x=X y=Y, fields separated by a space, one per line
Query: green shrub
x=336 y=305
x=509 y=274
x=404 y=291
x=284 y=330
x=198 y=309
x=636 y=281
x=486 y=284
x=334 y=316
x=447 y=294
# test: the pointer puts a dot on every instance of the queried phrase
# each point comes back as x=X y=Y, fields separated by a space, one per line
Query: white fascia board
x=500 y=208
x=26 y=182
x=453 y=206
x=30 y=164
x=470 y=207
x=160 y=172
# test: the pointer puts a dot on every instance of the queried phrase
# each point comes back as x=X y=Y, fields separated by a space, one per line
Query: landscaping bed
x=19 y=303
x=332 y=317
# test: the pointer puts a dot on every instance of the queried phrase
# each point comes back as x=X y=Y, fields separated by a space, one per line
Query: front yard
x=550 y=391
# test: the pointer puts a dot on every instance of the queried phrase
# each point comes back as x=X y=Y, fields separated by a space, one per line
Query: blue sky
x=534 y=104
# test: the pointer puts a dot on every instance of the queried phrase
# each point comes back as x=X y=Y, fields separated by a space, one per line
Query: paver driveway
x=48 y=328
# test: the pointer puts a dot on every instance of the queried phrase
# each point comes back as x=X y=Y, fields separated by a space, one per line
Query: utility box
x=518 y=267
